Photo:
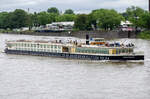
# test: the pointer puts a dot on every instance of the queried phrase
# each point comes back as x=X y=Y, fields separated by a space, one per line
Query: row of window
x=124 y=50
x=103 y=51
x=88 y=50
x=39 y=50
x=36 y=45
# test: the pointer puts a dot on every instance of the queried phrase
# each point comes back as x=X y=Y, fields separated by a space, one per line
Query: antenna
x=149 y=5
x=87 y=39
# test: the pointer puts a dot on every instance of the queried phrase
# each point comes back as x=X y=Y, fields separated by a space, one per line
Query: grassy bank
x=16 y=32
x=144 y=35
x=5 y=31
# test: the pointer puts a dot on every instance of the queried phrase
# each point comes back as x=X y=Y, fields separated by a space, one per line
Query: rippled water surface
x=32 y=77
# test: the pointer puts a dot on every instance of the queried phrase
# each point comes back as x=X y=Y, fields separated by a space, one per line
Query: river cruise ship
x=96 y=49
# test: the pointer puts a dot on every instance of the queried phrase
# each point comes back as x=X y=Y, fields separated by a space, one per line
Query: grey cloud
x=77 y=5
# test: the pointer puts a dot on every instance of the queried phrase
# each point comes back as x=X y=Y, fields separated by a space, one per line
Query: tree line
x=107 y=19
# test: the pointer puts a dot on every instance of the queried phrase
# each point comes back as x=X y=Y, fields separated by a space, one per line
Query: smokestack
x=87 y=39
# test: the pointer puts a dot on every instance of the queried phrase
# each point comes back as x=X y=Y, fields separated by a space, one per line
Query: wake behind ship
x=97 y=49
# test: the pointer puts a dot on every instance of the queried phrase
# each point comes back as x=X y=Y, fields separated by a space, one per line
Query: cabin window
x=25 y=45
x=90 y=51
x=123 y=50
x=117 y=51
x=22 y=44
x=32 y=49
x=15 y=44
x=59 y=47
x=86 y=51
x=55 y=46
x=101 y=50
x=44 y=46
x=130 y=50
x=65 y=49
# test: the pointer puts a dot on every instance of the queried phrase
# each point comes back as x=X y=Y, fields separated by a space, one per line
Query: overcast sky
x=79 y=6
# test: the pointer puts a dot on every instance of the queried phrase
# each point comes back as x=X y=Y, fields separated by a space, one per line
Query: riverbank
x=81 y=34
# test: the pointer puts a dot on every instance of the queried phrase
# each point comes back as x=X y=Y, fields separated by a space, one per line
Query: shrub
x=144 y=35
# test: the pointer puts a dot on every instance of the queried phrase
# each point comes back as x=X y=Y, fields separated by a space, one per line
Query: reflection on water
x=32 y=77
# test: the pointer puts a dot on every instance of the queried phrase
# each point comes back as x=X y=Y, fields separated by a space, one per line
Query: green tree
x=133 y=13
x=81 y=22
x=65 y=17
x=4 y=20
x=92 y=22
x=106 y=19
x=53 y=17
x=43 y=18
x=144 y=35
x=16 y=19
x=125 y=15
x=144 y=20
x=69 y=11
x=53 y=10
x=19 y=19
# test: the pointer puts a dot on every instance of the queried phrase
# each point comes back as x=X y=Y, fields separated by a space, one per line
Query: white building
x=126 y=26
x=125 y=23
x=60 y=25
